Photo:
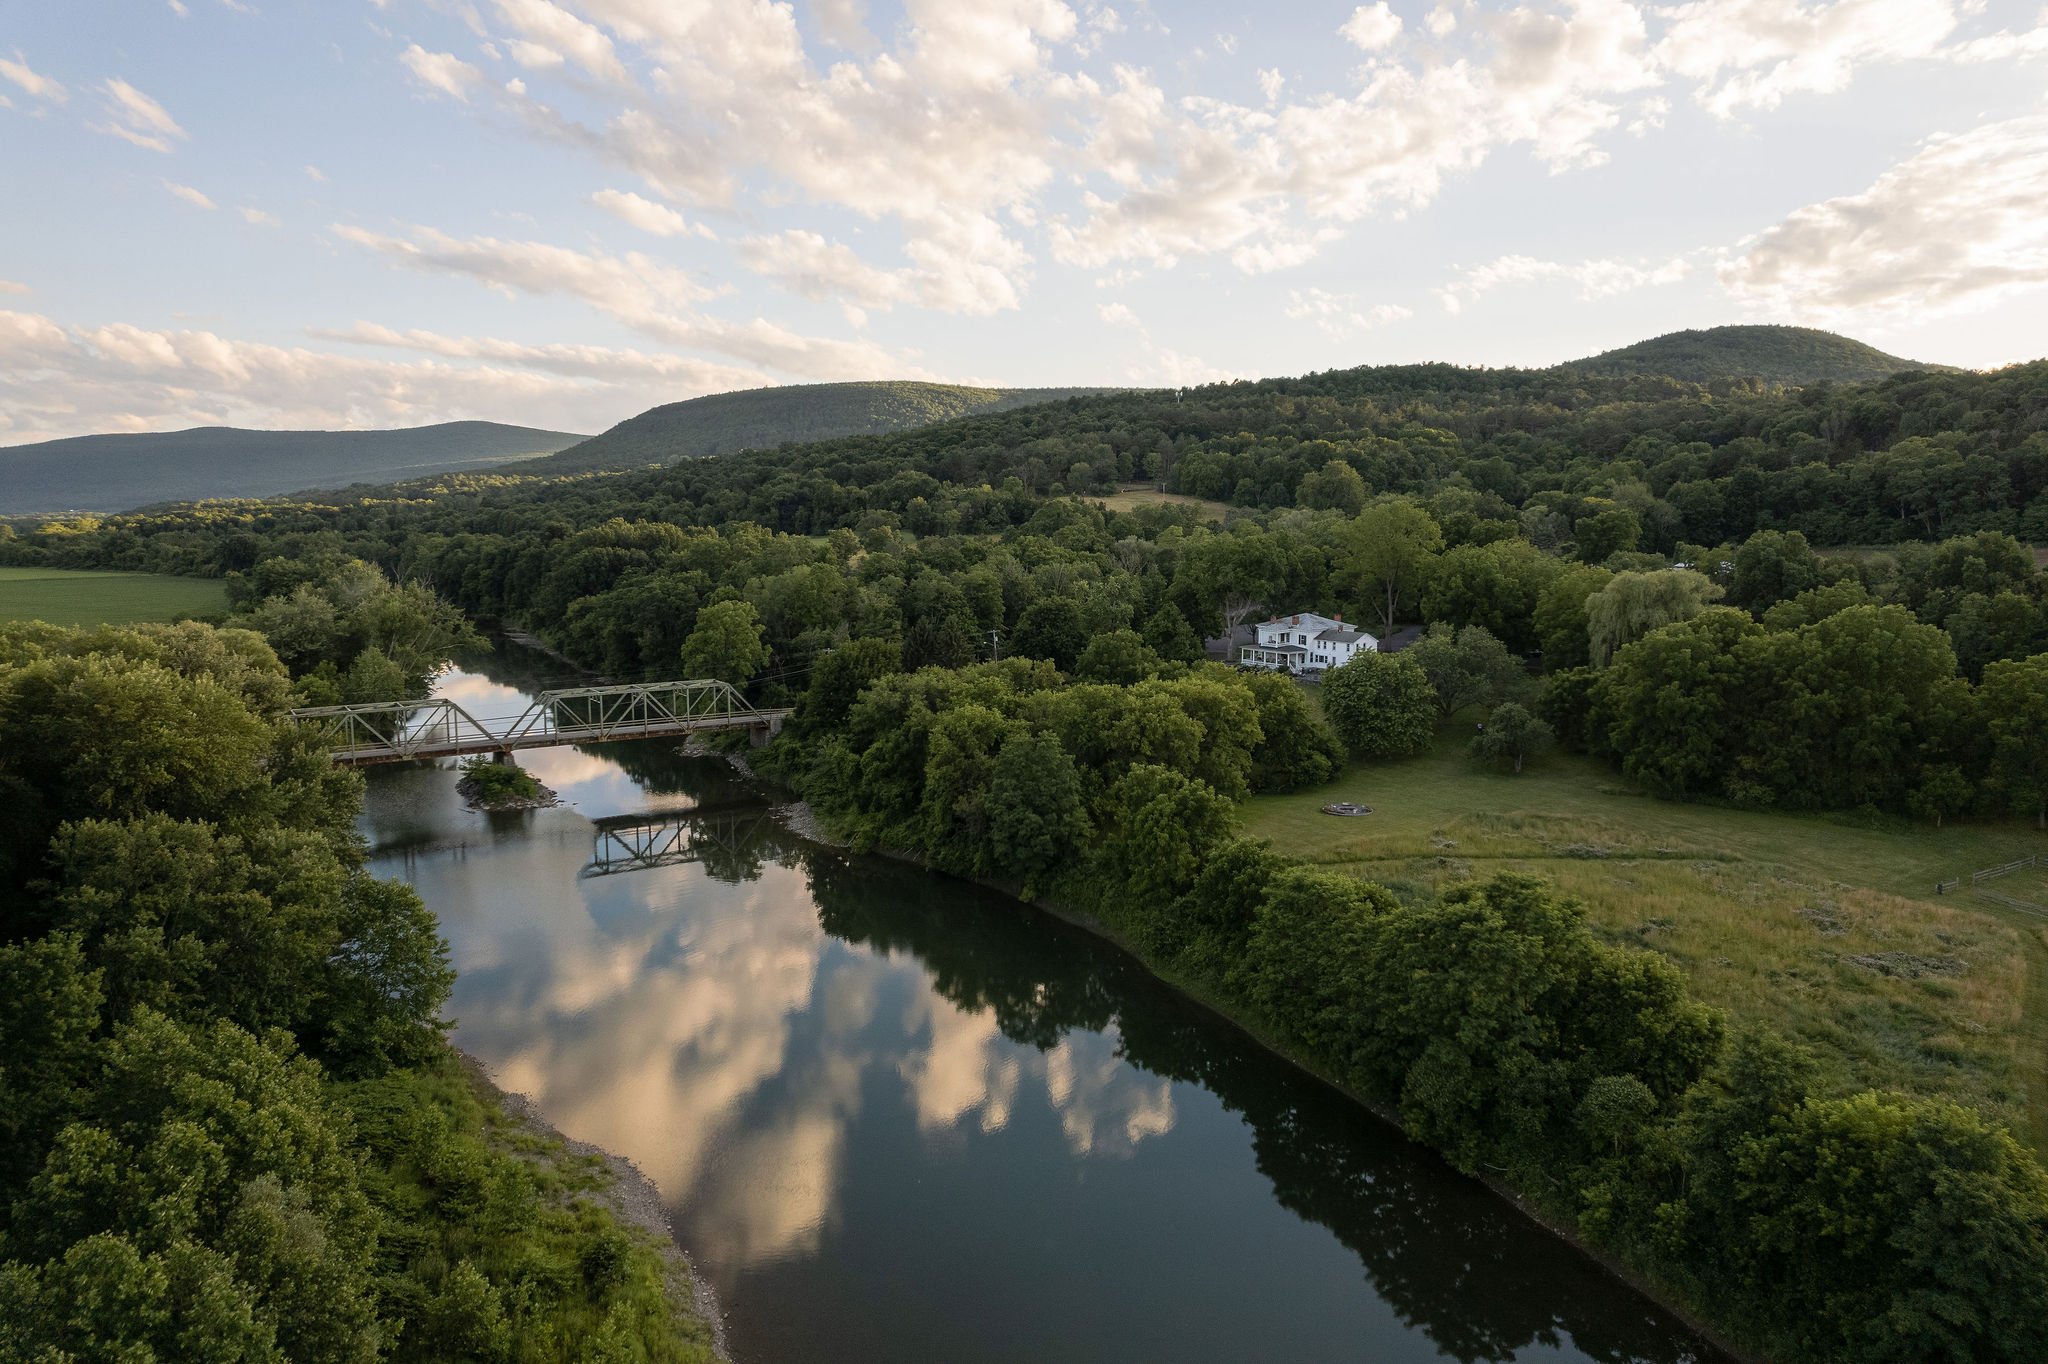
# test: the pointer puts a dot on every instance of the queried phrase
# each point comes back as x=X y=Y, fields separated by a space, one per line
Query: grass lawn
x=1142 y=495
x=1829 y=928
x=72 y=597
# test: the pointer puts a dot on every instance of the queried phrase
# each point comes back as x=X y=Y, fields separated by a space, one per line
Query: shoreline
x=798 y=818
x=630 y=1195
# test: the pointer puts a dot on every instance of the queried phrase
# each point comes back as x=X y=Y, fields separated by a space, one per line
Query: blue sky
x=559 y=212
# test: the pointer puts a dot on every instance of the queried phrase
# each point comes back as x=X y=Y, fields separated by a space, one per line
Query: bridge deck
x=405 y=731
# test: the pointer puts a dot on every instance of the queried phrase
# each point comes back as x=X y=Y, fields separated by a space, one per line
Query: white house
x=1306 y=643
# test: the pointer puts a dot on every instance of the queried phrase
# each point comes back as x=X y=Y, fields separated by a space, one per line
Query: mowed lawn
x=1829 y=929
x=73 y=597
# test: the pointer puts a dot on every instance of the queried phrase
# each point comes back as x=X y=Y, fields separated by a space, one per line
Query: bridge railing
x=382 y=731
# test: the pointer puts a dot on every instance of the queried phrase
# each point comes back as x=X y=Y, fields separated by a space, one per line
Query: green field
x=1144 y=495
x=1828 y=928
x=71 y=597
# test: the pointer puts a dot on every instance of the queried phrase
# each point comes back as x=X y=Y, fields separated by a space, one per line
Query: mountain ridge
x=114 y=472
x=764 y=418
x=1793 y=356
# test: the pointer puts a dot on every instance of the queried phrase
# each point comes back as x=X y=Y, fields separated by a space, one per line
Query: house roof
x=1296 y=619
x=1340 y=635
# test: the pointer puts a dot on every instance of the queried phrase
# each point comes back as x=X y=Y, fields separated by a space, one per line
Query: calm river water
x=896 y=1118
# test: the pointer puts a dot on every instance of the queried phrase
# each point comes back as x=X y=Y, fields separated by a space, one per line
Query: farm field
x=73 y=597
x=1829 y=928
x=1142 y=495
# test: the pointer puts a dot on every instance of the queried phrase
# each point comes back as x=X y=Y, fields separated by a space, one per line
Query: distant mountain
x=1777 y=355
x=764 y=418
x=113 y=473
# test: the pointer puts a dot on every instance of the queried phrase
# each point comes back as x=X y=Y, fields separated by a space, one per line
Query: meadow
x=74 y=597
x=1133 y=496
x=1829 y=927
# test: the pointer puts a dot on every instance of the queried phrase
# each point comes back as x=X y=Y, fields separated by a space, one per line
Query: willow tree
x=1633 y=604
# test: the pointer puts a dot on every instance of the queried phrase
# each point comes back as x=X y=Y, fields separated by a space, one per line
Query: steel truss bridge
x=643 y=842
x=400 y=731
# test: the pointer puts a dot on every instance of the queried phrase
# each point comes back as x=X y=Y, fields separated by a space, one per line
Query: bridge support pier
x=503 y=758
x=760 y=736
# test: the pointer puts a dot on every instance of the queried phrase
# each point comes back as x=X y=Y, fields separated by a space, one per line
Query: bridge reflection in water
x=727 y=841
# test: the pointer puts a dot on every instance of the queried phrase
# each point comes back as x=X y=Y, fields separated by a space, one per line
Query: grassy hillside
x=112 y=473
x=1778 y=355
x=763 y=418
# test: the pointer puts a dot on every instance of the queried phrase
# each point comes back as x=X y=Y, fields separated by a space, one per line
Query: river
x=897 y=1118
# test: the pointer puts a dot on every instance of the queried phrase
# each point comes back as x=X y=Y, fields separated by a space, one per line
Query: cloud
x=178 y=8
x=1156 y=364
x=42 y=87
x=57 y=381
x=1594 y=278
x=443 y=71
x=1372 y=27
x=1955 y=226
x=1340 y=316
x=256 y=217
x=1753 y=53
x=550 y=29
x=844 y=24
x=8 y=286
x=644 y=294
x=316 y=175
x=645 y=214
x=573 y=361
x=135 y=117
x=191 y=196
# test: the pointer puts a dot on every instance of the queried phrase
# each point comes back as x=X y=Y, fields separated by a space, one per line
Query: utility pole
x=995 y=646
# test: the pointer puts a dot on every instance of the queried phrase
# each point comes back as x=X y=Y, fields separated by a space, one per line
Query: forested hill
x=112 y=473
x=1777 y=355
x=764 y=418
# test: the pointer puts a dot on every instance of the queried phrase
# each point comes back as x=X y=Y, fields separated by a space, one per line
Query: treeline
x=230 y=1128
x=1807 y=1224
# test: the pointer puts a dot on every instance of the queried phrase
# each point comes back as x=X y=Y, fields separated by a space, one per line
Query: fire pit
x=1346 y=808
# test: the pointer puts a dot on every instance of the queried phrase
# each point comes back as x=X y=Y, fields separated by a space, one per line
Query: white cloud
x=645 y=214
x=256 y=217
x=1272 y=83
x=1372 y=27
x=135 y=117
x=8 y=286
x=1156 y=364
x=60 y=381
x=642 y=293
x=443 y=71
x=844 y=24
x=1957 y=225
x=316 y=175
x=42 y=87
x=551 y=28
x=190 y=196
x=1754 y=53
x=1340 y=316
x=583 y=362
x=1441 y=21
x=1593 y=278
x=178 y=8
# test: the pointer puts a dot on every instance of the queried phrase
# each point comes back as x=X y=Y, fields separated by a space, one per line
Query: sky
x=375 y=213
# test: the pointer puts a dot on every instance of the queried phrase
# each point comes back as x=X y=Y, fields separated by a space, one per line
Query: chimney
x=1294 y=620
x=1339 y=618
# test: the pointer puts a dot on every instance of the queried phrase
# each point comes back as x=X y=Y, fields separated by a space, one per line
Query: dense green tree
x=1381 y=706
x=1466 y=667
x=1772 y=566
x=1673 y=704
x=1334 y=487
x=1120 y=656
x=1511 y=734
x=1051 y=628
x=2014 y=703
x=1560 y=617
x=1605 y=533
x=838 y=678
x=1494 y=586
x=1296 y=747
x=1164 y=826
x=1037 y=821
x=1170 y=636
x=727 y=643
x=1385 y=556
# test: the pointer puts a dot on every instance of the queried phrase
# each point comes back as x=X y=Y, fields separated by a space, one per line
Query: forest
x=1784 y=599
